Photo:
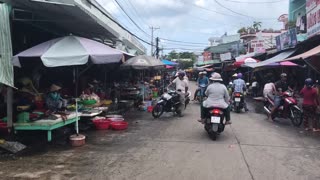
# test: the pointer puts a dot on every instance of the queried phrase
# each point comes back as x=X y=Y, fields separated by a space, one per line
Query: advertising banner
x=258 y=46
x=287 y=40
x=313 y=17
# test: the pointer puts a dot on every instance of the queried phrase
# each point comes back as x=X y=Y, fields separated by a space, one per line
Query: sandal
x=315 y=130
x=228 y=122
x=201 y=121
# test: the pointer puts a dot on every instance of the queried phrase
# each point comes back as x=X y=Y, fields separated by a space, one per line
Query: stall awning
x=278 y=58
x=6 y=68
x=312 y=52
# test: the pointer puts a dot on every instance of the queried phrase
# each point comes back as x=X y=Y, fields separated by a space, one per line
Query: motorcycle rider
x=218 y=97
x=239 y=86
x=181 y=88
x=281 y=86
x=202 y=80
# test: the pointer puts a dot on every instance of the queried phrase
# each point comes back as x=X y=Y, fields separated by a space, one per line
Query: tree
x=173 y=55
x=243 y=30
x=256 y=26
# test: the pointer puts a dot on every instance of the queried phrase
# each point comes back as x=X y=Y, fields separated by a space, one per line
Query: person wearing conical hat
x=54 y=101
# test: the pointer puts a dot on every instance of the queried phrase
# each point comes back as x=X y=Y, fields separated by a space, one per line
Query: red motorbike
x=289 y=109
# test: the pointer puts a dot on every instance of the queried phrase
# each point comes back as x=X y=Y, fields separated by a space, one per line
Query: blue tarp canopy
x=169 y=63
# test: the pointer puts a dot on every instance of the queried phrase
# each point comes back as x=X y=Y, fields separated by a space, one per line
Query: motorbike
x=238 y=102
x=214 y=122
x=169 y=102
x=289 y=109
x=201 y=93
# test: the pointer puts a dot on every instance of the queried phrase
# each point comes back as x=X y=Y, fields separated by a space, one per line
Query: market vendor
x=54 y=101
x=27 y=86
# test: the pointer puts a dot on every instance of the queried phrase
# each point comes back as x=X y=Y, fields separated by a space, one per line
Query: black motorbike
x=169 y=102
x=214 y=122
x=238 y=102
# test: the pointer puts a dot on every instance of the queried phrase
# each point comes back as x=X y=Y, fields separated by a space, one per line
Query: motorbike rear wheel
x=158 y=110
x=213 y=135
x=297 y=117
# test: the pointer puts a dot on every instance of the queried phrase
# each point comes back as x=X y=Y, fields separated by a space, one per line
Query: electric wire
x=131 y=18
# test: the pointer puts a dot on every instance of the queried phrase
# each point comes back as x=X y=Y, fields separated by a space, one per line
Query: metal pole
x=152 y=30
x=9 y=108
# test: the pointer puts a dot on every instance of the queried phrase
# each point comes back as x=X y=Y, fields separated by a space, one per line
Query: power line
x=185 y=42
x=131 y=18
x=256 y=2
x=210 y=10
x=188 y=45
x=126 y=29
x=138 y=14
x=232 y=10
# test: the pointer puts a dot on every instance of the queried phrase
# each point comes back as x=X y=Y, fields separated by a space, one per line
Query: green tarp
x=6 y=68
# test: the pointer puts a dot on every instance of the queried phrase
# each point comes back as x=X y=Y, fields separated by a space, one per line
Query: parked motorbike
x=169 y=102
x=201 y=93
x=289 y=109
x=238 y=102
x=214 y=122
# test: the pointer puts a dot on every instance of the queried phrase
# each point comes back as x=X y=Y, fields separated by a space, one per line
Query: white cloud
x=183 y=20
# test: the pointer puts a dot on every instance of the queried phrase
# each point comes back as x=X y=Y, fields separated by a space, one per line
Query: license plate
x=215 y=119
x=237 y=99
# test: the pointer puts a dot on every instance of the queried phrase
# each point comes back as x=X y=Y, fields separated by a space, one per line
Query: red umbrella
x=245 y=61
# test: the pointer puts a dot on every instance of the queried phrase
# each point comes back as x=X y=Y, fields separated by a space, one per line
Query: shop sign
x=225 y=56
x=207 y=56
x=287 y=40
x=313 y=17
x=258 y=46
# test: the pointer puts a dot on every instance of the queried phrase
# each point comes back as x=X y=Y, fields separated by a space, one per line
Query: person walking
x=309 y=105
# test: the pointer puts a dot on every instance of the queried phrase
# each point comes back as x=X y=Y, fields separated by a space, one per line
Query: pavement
x=252 y=148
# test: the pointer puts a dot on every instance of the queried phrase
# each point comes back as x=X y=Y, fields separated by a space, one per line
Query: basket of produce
x=119 y=125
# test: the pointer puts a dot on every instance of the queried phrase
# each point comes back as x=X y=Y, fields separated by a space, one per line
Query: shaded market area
x=81 y=97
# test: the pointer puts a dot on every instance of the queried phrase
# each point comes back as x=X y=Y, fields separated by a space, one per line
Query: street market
x=217 y=90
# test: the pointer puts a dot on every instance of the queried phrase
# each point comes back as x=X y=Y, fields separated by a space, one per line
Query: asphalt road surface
x=172 y=148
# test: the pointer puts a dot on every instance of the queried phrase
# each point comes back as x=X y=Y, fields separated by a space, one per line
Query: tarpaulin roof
x=6 y=68
x=169 y=63
x=312 y=52
x=278 y=58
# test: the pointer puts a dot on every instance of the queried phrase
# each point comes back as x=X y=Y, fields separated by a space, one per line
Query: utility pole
x=157 y=47
x=152 y=30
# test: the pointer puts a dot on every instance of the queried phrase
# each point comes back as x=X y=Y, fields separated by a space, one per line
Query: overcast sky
x=194 y=20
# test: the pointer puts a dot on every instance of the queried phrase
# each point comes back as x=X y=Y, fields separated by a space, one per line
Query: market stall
x=70 y=51
x=143 y=63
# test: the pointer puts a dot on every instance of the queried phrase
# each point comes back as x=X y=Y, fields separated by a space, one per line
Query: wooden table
x=46 y=124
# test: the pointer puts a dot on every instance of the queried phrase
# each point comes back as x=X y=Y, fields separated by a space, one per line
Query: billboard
x=258 y=46
x=287 y=40
x=313 y=17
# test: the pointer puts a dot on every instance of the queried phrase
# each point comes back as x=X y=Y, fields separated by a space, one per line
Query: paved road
x=179 y=148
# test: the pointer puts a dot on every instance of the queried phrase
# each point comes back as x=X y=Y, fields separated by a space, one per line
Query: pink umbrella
x=245 y=61
x=284 y=63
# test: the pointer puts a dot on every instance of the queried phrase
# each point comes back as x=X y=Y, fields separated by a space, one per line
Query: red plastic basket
x=120 y=125
x=150 y=108
x=101 y=124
